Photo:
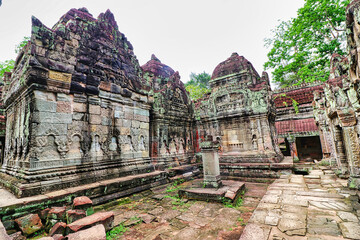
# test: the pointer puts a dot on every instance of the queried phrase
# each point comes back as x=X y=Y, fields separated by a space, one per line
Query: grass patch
x=229 y=204
x=115 y=232
x=324 y=163
x=175 y=185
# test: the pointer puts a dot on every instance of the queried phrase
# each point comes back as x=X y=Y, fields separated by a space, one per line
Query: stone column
x=293 y=148
x=210 y=158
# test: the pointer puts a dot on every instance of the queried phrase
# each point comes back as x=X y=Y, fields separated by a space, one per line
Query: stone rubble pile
x=74 y=222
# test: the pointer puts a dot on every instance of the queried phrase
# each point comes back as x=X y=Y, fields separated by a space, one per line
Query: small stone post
x=210 y=158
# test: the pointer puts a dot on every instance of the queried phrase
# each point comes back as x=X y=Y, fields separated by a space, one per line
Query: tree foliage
x=8 y=65
x=198 y=85
x=301 y=48
x=21 y=44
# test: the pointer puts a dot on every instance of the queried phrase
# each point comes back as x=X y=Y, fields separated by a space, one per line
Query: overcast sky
x=188 y=35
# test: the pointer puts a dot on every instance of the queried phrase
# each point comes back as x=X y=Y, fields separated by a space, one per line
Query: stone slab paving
x=312 y=207
x=161 y=215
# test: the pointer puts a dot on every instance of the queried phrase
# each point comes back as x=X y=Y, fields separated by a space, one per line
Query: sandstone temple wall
x=172 y=121
x=337 y=107
x=77 y=109
x=80 y=109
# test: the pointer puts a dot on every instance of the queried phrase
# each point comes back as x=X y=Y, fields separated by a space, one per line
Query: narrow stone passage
x=311 y=207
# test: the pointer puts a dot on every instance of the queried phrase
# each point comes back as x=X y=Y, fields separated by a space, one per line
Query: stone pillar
x=210 y=158
x=293 y=148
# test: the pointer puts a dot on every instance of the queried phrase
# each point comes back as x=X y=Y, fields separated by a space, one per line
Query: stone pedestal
x=210 y=158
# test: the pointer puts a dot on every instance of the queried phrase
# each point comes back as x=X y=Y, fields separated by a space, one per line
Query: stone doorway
x=285 y=147
x=309 y=148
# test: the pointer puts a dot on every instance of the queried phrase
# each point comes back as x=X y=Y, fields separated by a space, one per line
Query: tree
x=198 y=85
x=301 y=48
x=8 y=65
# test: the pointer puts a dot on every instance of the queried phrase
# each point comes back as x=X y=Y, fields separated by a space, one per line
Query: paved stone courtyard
x=159 y=214
x=310 y=207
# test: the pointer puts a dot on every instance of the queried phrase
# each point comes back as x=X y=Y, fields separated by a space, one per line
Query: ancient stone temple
x=298 y=134
x=240 y=114
x=77 y=111
x=171 y=119
x=81 y=110
x=336 y=108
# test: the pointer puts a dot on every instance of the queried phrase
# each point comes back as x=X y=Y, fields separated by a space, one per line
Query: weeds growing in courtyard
x=227 y=202
x=175 y=185
x=115 y=232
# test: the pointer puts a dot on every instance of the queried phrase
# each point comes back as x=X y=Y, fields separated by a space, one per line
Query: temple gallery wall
x=80 y=109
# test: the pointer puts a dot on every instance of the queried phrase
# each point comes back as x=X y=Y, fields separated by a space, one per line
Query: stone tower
x=239 y=113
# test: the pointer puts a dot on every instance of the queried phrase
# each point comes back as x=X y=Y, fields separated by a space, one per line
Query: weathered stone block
x=105 y=121
x=95 y=119
x=58 y=213
x=58 y=228
x=44 y=106
x=29 y=224
x=141 y=112
x=62 y=97
x=125 y=131
x=104 y=218
x=3 y=234
x=96 y=232
x=79 y=116
x=144 y=125
x=135 y=124
x=94 y=109
x=106 y=86
x=46 y=96
x=105 y=112
x=74 y=215
x=41 y=129
x=49 y=117
x=126 y=123
x=64 y=107
x=44 y=213
x=118 y=114
x=79 y=107
x=82 y=202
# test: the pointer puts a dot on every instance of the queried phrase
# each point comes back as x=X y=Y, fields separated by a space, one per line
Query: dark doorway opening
x=2 y=148
x=284 y=146
x=309 y=148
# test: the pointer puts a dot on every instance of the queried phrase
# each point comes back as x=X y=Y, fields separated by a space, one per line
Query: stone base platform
x=230 y=190
x=99 y=192
x=184 y=171
x=256 y=172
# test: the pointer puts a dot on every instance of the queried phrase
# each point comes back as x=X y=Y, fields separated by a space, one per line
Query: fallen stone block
x=3 y=234
x=58 y=213
x=96 y=232
x=74 y=215
x=16 y=236
x=58 y=228
x=82 y=203
x=58 y=237
x=29 y=224
x=104 y=218
x=44 y=213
